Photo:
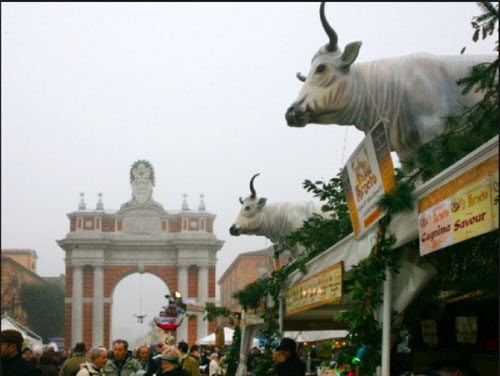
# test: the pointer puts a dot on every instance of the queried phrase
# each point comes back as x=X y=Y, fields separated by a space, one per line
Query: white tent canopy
x=315 y=335
x=210 y=339
x=228 y=339
x=32 y=338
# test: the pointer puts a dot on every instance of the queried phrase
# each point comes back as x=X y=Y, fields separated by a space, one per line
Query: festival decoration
x=172 y=315
x=170 y=340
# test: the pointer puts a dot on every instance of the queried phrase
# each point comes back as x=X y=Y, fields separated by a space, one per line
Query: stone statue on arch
x=142 y=180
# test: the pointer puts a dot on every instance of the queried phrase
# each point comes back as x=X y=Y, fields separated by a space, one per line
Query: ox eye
x=320 y=68
x=247 y=208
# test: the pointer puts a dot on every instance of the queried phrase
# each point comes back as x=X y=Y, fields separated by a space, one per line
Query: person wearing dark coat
x=288 y=362
x=46 y=364
x=145 y=357
x=72 y=364
x=13 y=363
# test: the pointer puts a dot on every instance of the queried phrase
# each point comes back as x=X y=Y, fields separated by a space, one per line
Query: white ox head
x=325 y=93
x=251 y=216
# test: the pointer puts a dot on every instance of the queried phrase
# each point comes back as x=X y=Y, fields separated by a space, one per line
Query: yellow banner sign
x=368 y=174
x=470 y=208
x=319 y=289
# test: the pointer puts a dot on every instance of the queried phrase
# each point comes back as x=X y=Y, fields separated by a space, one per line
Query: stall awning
x=315 y=335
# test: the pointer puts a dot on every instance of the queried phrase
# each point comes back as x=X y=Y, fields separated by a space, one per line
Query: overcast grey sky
x=198 y=89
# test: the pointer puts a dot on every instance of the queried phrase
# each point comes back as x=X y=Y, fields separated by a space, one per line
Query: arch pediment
x=142 y=219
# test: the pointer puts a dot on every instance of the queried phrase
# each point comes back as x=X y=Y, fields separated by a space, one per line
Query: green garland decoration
x=148 y=165
x=233 y=354
x=251 y=294
x=233 y=357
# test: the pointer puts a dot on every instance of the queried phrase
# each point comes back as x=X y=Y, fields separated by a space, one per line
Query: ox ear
x=350 y=54
x=262 y=202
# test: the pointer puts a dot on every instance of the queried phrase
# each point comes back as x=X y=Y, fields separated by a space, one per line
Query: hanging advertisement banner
x=463 y=208
x=368 y=174
x=429 y=332
x=466 y=328
x=253 y=316
x=321 y=288
x=193 y=308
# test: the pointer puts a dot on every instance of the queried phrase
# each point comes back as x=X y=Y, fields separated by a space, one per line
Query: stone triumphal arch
x=104 y=246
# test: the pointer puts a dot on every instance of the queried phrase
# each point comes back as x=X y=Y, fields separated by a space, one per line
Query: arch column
x=182 y=273
x=77 y=305
x=202 y=325
x=98 y=308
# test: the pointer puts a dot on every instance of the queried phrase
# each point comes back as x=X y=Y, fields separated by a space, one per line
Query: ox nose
x=234 y=231
x=290 y=116
x=295 y=117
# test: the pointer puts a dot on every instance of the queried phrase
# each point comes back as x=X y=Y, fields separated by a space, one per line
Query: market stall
x=314 y=311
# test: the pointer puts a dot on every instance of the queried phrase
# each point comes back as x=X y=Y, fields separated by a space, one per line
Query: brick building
x=18 y=268
x=245 y=269
x=104 y=246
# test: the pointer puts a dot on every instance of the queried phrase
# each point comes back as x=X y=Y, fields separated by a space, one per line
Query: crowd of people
x=165 y=360
x=120 y=360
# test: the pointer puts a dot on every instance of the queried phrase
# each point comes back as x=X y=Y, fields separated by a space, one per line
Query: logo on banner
x=368 y=174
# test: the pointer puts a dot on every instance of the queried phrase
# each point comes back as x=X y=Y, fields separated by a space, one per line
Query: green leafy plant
x=251 y=295
x=233 y=354
x=44 y=306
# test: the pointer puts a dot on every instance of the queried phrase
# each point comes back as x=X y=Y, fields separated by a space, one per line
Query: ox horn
x=241 y=201
x=332 y=35
x=301 y=77
x=252 y=190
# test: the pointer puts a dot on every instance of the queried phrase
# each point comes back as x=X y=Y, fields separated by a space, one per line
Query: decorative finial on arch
x=201 y=206
x=82 y=205
x=100 y=205
x=185 y=205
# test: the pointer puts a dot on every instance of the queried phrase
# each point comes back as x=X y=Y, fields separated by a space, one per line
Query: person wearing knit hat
x=72 y=364
x=13 y=363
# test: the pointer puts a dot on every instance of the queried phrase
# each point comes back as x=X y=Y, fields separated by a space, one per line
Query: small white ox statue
x=272 y=220
x=412 y=93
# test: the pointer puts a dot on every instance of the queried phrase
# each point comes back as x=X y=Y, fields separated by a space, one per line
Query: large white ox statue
x=272 y=220
x=413 y=93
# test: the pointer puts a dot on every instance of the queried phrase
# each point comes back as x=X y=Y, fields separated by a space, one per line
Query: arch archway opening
x=138 y=294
